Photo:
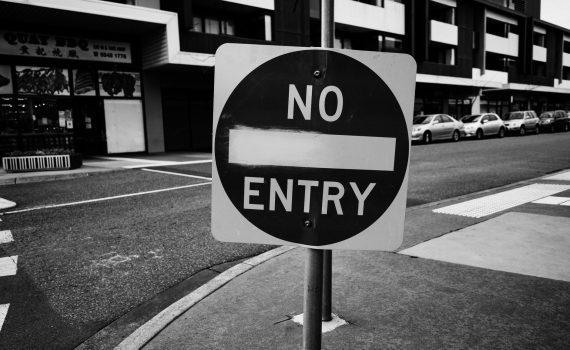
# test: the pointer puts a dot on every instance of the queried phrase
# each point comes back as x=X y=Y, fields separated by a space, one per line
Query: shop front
x=69 y=92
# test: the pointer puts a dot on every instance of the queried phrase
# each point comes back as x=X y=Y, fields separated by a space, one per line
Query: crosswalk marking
x=554 y=200
x=8 y=265
x=6 y=236
x=480 y=207
x=3 y=312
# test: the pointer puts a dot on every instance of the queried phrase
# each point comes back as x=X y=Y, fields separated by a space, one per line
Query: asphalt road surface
x=81 y=266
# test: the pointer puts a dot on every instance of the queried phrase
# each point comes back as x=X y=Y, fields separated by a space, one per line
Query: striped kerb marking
x=565 y=176
x=3 y=312
x=310 y=150
x=8 y=266
x=6 y=236
x=480 y=207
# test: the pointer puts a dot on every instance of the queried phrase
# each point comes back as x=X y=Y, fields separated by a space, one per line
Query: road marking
x=565 y=176
x=552 y=200
x=6 y=236
x=8 y=265
x=5 y=204
x=190 y=162
x=3 y=312
x=179 y=174
x=310 y=150
x=480 y=207
x=50 y=206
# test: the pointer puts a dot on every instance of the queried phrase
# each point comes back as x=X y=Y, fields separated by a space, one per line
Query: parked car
x=554 y=121
x=481 y=125
x=431 y=127
x=521 y=122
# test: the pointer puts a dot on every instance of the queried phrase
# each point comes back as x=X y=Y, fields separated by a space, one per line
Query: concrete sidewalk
x=499 y=281
x=102 y=164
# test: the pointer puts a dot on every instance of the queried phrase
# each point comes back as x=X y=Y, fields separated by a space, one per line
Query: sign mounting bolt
x=307 y=223
x=317 y=73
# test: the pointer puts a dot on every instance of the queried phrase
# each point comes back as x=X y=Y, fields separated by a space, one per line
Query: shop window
x=390 y=44
x=6 y=85
x=539 y=39
x=84 y=83
x=119 y=84
x=441 y=13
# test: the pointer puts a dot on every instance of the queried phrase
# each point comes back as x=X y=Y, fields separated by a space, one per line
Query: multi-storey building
x=137 y=75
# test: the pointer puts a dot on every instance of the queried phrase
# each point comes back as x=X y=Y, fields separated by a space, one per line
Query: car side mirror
x=483 y=121
x=435 y=122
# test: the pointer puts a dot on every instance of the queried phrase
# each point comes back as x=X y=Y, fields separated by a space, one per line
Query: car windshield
x=422 y=119
x=470 y=118
x=546 y=115
x=514 y=115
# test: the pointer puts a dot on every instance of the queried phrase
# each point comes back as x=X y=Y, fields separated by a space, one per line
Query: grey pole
x=313 y=294
x=327 y=39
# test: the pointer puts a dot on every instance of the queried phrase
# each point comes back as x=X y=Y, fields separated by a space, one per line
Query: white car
x=481 y=125
x=521 y=122
x=431 y=127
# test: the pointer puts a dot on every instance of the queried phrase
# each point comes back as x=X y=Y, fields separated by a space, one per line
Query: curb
x=52 y=177
x=147 y=331
x=6 y=204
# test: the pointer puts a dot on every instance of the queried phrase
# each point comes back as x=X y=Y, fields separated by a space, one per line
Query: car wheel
x=501 y=132
x=522 y=131
x=427 y=137
x=479 y=134
x=455 y=136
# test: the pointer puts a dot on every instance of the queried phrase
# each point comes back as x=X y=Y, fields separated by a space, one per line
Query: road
x=81 y=266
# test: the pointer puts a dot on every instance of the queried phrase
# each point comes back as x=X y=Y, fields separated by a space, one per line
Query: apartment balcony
x=390 y=18
x=443 y=32
x=562 y=84
x=494 y=76
x=539 y=53
x=501 y=45
x=209 y=43
x=566 y=59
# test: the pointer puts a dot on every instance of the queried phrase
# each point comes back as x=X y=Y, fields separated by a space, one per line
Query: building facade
x=106 y=77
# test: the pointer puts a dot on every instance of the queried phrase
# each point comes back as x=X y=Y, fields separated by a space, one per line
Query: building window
x=499 y=28
x=566 y=46
x=539 y=39
x=498 y=62
x=441 y=13
x=517 y=5
x=390 y=44
x=342 y=42
x=566 y=73
x=442 y=54
x=213 y=26
x=539 y=68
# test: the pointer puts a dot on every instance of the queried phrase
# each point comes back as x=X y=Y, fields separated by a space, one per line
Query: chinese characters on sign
x=52 y=46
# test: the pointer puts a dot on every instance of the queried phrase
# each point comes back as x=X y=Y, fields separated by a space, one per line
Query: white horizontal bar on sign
x=260 y=147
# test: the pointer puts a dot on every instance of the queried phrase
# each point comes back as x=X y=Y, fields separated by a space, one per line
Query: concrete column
x=154 y=129
x=476 y=103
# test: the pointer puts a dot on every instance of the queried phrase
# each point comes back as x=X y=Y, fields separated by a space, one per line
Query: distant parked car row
x=430 y=127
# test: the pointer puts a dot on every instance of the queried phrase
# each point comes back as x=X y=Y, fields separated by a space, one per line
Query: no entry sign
x=311 y=146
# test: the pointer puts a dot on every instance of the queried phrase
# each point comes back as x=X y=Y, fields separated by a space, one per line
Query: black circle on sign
x=260 y=101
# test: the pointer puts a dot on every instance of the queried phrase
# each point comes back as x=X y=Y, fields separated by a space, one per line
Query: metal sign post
x=312 y=304
x=327 y=39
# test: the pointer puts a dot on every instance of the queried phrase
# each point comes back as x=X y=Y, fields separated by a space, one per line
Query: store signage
x=63 y=47
x=311 y=146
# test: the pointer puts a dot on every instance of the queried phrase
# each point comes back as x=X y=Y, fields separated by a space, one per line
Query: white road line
x=50 y=206
x=3 y=312
x=8 y=265
x=179 y=174
x=480 y=207
x=5 y=204
x=6 y=236
x=166 y=163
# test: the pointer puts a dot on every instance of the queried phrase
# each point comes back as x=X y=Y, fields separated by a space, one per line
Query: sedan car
x=554 y=121
x=521 y=122
x=481 y=125
x=431 y=127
